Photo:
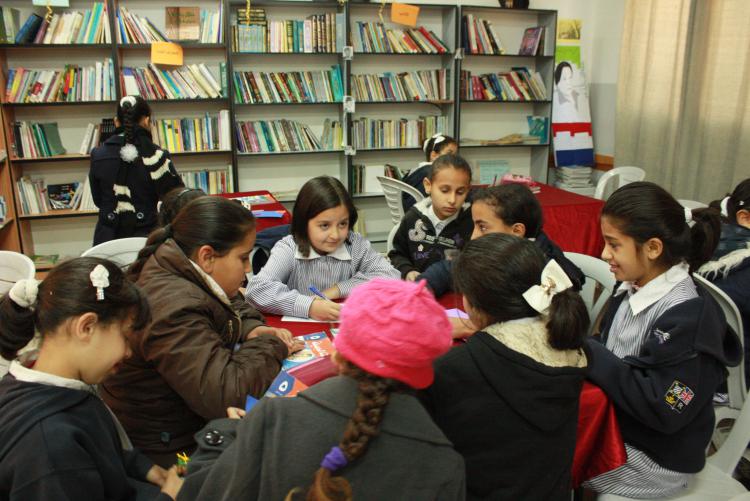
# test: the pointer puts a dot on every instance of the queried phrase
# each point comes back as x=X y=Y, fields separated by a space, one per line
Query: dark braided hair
x=129 y=115
x=362 y=428
x=738 y=200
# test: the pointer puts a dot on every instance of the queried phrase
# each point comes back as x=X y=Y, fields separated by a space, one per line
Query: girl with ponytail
x=361 y=435
x=129 y=174
x=58 y=440
x=435 y=146
x=665 y=346
x=205 y=349
x=514 y=386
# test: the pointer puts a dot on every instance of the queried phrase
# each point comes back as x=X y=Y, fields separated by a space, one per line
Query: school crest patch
x=678 y=396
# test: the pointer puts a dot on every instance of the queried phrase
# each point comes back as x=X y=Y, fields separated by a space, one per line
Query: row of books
x=479 y=36
x=135 y=29
x=213 y=182
x=318 y=33
x=191 y=81
x=519 y=84
x=369 y=133
x=89 y=26
x=36 y=140
x=423 y=85
x=364 y=179
x=90 y=138
x=193 y=134
x=376 y=38
x=9 y=24
x=36 y=198
x=194 y=24
x=73 y=83
x=293 y=87
x=276 y=136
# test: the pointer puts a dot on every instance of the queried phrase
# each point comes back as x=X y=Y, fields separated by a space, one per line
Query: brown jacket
x=184 y=370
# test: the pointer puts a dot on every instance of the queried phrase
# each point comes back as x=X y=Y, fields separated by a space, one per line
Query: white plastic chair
x=623 y=176
x=596 y=271
x=123 y=251
x=14 y=267
x=392 y=189
x=692 y=204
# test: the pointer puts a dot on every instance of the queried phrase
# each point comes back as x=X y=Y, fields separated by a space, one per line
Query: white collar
x=22 y=373
x=643 y=297
x=341 y=253
x=425 y=207
x=213 y=284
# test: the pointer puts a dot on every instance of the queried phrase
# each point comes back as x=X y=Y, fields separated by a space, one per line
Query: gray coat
x=280 y=444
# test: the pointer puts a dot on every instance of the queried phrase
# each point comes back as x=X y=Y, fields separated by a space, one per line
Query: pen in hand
x=317 y=292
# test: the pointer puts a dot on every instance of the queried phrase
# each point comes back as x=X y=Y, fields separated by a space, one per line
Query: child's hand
x=332 y=292
x=320 y=309
x=462 y=327
x=412 y=276
x=172 y=484
x=291 y=343
x=235 y=413
x=156 y=475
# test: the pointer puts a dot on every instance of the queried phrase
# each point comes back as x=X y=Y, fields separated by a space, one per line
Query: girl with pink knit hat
x=361 y=435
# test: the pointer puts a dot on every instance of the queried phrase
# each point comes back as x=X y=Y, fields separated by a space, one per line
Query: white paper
x=289 y=318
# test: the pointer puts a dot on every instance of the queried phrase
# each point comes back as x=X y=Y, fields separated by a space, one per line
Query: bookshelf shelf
x=329 y=103
x=434 y=103
x=190 y=100
x=55 y=46
x=52 y=159
x=520 y=56
x=507 y=101
x=199 y=153
x=184 y=45
x=59 y=103
x=267 y=153
x=246 y=54
x=514 y=145
x=405 y=148
x=6 y=224
x=368 y=195
x=59 y=213
x=408 y=54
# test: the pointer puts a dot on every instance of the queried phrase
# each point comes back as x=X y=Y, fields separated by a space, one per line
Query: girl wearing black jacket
x=129 y=174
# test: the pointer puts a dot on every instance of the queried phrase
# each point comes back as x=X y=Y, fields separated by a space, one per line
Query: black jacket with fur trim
x=664 y=396
x=149 y=178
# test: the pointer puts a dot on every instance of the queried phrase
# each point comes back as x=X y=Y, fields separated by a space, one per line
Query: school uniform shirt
x=192 y=361
x=281 y=442
x=415 y=178
x=283 y=285
x=59 y=441
x=729 y=270
x=506 y=394
x=663 y=353
x=422 y=238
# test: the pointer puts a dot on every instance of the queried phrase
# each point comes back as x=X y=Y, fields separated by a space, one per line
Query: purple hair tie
x=334 y=460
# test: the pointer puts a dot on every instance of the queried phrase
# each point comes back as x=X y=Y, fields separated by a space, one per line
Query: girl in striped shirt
x=664 y=347
x=322 y=253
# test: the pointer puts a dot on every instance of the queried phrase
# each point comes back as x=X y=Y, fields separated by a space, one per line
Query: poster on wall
x=571 y=116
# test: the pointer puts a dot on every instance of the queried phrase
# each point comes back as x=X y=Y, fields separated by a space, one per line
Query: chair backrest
x=391 y=236
x=692 y=204
x=14 y=267
x=597 y=272
x=392 y=189
x=623 y=175
x=123 y=251
x=736 y=385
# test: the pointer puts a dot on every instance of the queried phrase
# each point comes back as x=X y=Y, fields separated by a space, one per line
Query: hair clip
x=24 y=292
x=334 y=460
x=127 y=99
x=100 y=279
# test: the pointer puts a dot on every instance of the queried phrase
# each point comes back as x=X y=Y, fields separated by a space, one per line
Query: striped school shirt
x=641 y=476
x=282 y=286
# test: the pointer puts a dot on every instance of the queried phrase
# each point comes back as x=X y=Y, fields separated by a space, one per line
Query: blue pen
x=315 y=291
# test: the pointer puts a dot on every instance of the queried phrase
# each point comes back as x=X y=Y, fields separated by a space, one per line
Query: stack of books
x=519 y=84
x=187 y=82
x=376 y=38
x=370 y=133
x=193 y=134
x=33 y=195
x=36 y=198
x=213 y=182
x=574 y=178
x=333 y=135
x=425 y=85
x=134 y=29
x=194 y=24
x=293 y=87
x=532 y=43
x=90 y=26
x=478 y=36
x=36 y=140
x=71 y=84
x=364 y=179
x=318 y=33
x=269 y=136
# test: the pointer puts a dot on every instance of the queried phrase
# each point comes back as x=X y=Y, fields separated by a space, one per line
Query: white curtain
x=682 y=104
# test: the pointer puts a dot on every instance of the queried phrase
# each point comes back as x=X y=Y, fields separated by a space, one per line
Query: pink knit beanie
x=394 y=329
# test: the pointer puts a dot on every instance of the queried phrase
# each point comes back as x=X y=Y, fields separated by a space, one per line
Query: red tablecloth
x=262 y=223
x=599 y=445
x=572 y=220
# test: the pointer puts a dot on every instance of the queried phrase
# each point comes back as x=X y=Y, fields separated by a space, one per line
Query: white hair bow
x=439 y=138
x=24 y=292
x=100 y=279
x=554 y=280
x=724 y=208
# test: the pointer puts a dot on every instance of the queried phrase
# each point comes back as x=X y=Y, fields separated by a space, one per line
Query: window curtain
x=682 y=104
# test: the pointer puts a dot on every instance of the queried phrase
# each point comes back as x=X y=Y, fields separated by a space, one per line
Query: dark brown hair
x=453 y=161
x=493 y=272
x=739 y=199
x=175 y=200
x=129 y=115
x=362 y=428
x=513 y=203
x=644 y=210
x=317 y=195
x=214 y=221
x=430 y=146
x=67 y=292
